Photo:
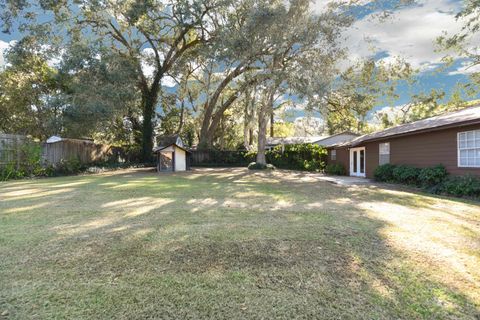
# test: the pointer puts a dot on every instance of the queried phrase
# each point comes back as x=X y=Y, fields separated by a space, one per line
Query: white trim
x=358 y=174
x=458 y=149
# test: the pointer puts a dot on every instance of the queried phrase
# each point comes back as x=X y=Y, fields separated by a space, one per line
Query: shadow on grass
x=213 y=245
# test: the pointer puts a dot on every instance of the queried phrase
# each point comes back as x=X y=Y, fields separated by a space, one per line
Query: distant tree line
x=217 y=72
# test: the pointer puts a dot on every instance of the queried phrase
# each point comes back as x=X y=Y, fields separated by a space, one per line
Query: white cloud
x=466 y=68
x=409 y=33
x=3 y=46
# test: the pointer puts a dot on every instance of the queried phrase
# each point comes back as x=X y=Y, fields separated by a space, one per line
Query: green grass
x=233 y=244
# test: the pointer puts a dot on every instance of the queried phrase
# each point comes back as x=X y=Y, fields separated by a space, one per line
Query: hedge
x=433 y=179
x=305 y=156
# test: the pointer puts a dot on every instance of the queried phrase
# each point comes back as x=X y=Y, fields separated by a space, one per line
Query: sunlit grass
x=233 y=244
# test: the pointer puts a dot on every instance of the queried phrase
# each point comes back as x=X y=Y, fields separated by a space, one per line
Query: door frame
x=358 y=174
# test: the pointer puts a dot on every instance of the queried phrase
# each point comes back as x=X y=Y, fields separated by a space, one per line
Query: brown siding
x=342 y=157
x=422 y=150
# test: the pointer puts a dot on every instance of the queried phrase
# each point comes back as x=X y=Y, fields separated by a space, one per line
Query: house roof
x=293 y=140
x=338 y=138
x=465 y=116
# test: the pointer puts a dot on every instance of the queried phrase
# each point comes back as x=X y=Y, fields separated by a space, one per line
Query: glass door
x=357 y=162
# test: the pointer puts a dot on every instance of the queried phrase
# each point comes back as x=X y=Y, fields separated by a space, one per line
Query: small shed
x=171 y=155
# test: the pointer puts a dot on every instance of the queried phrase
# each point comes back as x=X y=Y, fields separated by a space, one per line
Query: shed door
x=166 y=161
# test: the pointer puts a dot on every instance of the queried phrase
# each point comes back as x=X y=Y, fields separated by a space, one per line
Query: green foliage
x=71 y=166
x=336 y=169
x=463 y=186
x=430 y=177
x=384 y=173
x=29 y=166
x=406 y=174
x=260 y=166
x=308 y=157
x=221 y=158
x=433 y=179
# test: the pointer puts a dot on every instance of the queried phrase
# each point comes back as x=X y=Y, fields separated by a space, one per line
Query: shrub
x=72 y=166
x=430 y=177
x=406 y=174
x=335 y=169
x=259 y=166
x=468 y=186
x=306 y=156
x=384 y=173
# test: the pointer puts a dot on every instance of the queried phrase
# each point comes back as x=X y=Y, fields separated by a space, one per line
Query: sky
x=409 y=32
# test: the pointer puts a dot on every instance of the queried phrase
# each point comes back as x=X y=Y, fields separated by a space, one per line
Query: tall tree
x=303 y=46
x=359 y=89
x=152 y=34
x=28 y=103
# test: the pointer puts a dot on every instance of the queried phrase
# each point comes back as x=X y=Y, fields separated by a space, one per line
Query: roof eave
x=439 y=128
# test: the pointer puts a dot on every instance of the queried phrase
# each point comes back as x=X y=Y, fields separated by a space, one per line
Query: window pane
x=384 y=148
x=362 y=161
x=384 y=159
x=355 y=169
x=463 y=161
x=471 y=161
x=470 y=135
x=470 y=143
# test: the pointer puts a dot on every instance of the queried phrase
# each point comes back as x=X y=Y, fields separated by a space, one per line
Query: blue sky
x=409 y=32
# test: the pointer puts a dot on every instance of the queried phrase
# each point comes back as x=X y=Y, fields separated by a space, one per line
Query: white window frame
x=476 y=133
x=333 y=155
x=383 y=154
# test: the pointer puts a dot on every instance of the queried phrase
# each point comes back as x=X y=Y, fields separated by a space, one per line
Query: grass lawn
x=232 y=244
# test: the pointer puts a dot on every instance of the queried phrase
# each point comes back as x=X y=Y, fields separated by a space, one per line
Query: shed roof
x=465 y=116
x=168 y=140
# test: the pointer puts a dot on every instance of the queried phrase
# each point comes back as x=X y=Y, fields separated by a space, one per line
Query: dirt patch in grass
x=232 y=243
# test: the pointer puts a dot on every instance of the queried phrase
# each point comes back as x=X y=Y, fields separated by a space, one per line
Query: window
x=469 y=149
x=334 y=155
x=384 y=153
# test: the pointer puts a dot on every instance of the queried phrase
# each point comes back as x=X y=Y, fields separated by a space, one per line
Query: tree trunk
x=262 y=134
x=149 y=103
x=206 y=136
x=265 y=110
x=246 y=121
x=272 y=131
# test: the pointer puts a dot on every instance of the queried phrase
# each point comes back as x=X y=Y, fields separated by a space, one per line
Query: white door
x=357 y=162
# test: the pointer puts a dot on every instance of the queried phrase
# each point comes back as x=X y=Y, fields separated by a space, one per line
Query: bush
x=430 y=177
x=306 y=156
x=463 y=186
x=406 y=174
x=335 y=169
x=72 y=166
x=384 y=173
x=259 y=166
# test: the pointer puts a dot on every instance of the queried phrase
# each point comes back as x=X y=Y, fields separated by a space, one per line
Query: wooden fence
x=220 y=158
x=11 y=149
x=82 y=150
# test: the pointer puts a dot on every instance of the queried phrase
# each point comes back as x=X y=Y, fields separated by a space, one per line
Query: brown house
x=451 y=139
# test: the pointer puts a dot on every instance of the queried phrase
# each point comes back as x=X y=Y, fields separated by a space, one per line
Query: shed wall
x=180 y=160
